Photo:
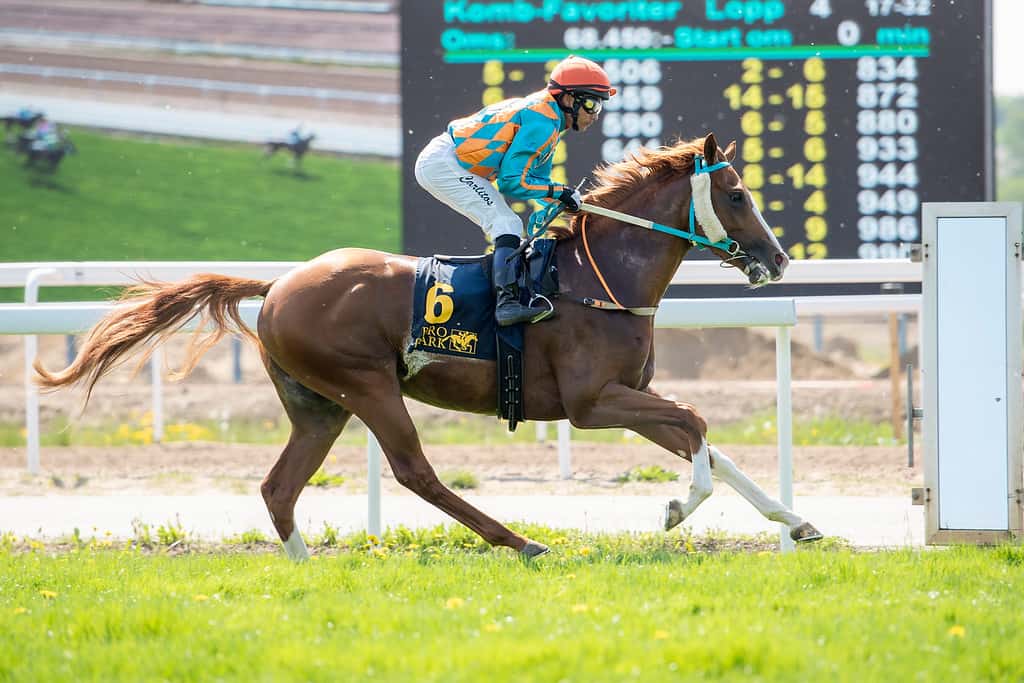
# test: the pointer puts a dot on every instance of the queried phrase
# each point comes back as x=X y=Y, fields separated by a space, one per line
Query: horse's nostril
x=780 y=259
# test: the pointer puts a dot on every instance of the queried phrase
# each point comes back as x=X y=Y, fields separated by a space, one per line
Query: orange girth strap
x=614 y=304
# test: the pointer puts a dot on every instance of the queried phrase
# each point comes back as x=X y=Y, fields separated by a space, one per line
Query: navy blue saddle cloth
x=453 y=302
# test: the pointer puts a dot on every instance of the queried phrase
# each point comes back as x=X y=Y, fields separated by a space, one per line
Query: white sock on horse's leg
x=295 y=547
x=726 y=470
x=700 y=488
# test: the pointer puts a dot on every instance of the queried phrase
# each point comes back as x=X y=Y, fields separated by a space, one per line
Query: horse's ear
x=730 y=151
x=710 y=148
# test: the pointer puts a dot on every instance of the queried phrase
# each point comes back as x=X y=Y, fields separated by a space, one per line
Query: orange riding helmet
x=576 y=74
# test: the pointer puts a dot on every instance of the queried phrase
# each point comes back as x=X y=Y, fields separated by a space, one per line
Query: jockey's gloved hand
x=571 y=199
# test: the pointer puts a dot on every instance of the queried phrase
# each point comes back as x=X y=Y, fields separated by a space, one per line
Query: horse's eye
x=736 y=197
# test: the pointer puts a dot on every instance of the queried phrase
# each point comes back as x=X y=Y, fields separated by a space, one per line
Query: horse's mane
x=619 y=180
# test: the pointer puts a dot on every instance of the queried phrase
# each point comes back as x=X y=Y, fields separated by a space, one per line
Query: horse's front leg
x=726 y=470
x=679 y=428
x=674 y=426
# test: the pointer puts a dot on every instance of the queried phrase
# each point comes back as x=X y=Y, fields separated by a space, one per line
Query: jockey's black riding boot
x=507 y=309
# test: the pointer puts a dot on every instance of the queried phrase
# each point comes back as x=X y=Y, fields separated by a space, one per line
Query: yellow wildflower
x=454 y=603
x=585 y=550
x=49 y=595
x=199 y=597
x=20 y=610
x=957 y=631
x=660 y=635
x=579 y=607
x=492 y=627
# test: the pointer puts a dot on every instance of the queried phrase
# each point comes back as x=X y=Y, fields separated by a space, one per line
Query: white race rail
x=833 y=271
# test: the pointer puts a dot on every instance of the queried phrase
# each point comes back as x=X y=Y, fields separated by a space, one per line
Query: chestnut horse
x=334 y=335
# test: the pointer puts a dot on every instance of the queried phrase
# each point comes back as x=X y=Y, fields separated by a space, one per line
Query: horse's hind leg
x=379 y=404
x=316 y=424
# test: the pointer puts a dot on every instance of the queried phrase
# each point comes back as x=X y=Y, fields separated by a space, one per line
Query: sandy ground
x=204 y=468
x=501 y=468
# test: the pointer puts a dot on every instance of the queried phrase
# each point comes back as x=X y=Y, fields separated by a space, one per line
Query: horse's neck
x=637 y=264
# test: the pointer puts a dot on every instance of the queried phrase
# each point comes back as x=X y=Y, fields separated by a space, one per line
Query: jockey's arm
x=523 y=174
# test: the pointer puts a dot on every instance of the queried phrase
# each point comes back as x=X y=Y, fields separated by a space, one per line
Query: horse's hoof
x=673 y=514
x=533 y=549
x=805 y=533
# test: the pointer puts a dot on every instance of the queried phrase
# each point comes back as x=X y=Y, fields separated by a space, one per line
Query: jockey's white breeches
x=438 y=172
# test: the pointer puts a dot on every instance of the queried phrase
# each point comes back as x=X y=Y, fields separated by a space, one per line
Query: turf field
x=436 y=606
x=126 y=199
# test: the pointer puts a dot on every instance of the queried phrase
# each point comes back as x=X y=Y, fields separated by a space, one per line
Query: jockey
x=45 y=136
x=512 y=143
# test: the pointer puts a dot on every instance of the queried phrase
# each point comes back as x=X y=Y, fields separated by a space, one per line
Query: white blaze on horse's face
x=704 y=209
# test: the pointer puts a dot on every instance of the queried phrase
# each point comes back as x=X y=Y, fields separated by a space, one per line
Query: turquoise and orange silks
x=512 y=143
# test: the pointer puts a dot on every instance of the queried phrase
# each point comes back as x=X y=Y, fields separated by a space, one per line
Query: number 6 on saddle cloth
x=453 y=314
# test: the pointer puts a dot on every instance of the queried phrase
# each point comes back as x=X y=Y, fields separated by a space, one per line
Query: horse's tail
x=152 y=311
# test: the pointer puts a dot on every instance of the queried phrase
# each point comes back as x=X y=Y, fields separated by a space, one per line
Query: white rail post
x=156 y=375
x=784 y=418
x=541 y=431
x=31 y=391
x=564 y=449
x=372 y=484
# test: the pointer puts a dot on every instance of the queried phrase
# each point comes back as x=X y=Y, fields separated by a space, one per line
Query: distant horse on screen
x=334 y=334
x=48 y=158
x=297 y=145
x=23 y=120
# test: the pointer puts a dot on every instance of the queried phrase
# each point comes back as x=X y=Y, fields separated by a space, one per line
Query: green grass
x=133 y=199
x=322 y=479
x=460 y=479
x=648 y=474
x=831 y=430
x=455 y=429
x=599 y=608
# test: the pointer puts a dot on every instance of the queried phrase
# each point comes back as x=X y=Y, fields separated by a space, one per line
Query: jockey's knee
x=504 y=226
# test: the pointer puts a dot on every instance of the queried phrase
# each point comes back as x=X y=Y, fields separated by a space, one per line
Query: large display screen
x=847 y=113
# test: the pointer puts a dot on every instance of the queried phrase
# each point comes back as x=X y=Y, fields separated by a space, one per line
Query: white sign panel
x=971 y=337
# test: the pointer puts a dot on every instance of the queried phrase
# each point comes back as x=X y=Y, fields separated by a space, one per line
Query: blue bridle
x=730 y=246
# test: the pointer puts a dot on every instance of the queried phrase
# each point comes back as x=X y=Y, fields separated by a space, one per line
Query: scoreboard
x=847 y=113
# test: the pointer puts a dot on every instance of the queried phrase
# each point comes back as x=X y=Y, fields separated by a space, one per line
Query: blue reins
x=541 y=218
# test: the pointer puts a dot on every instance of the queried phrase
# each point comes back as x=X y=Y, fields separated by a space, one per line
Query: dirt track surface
x=727 y=395
x=201 y=468
x=242 y=26
x=339 y=32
